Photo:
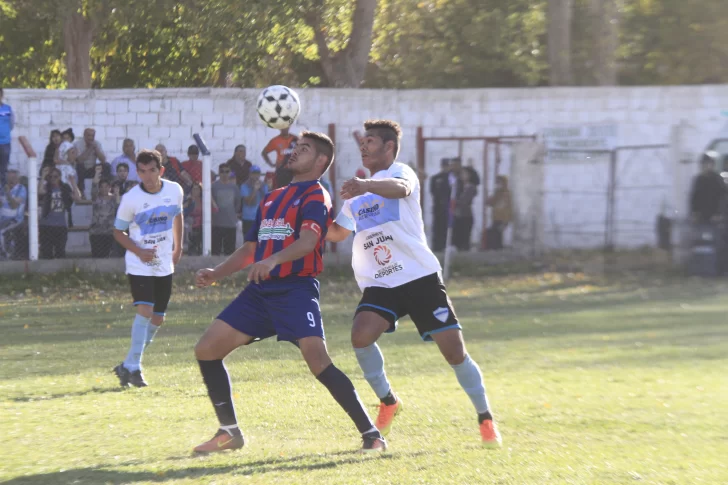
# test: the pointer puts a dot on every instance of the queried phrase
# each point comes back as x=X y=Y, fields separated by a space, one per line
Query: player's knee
x=204 y=351
x=145 y=310
x=359 y=340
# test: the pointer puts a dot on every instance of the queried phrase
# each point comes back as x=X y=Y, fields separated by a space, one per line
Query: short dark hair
x=323 y=146
x=104 y=181
x=387 y=130
x=123 y=165
x=223 y=165
x=148 y=156
x=193 y=149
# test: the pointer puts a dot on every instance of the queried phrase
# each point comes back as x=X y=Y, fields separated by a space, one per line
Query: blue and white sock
x=471 y=380
x=151 y=332
x=133 y=359
x=371 y=362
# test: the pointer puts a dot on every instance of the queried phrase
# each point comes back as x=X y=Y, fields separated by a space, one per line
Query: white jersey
x=390 y=246
x=149 y=219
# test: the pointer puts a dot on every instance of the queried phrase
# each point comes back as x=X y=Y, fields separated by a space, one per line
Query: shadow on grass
x=62 y=395
x=300 y=463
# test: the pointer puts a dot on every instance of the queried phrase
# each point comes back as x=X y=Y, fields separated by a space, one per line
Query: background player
x=149 y=226
x=398 y=273
x=282 y=298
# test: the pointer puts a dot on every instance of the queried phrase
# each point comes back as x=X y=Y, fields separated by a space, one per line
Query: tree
x=559 y=42
x=346 y=67
x=604 y=22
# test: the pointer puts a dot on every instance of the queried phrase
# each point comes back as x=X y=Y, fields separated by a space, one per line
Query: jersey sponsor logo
x=312 y=226
x=167 y=200
x=267 y=204
x=145 y=206
x=297 y=201
x=277 y=229
x=370 y=211
x=388 y=270
x=160 y=219
x=441 y=314
x=382 y=238
x=382 y=254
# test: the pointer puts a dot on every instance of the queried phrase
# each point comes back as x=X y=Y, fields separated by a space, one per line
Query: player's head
x=122 y=171
x=149 y=168
x=314 y=154
x=380 y=144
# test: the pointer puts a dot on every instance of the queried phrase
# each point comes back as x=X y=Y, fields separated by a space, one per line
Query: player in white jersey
x=149 y=226
x=399 y=274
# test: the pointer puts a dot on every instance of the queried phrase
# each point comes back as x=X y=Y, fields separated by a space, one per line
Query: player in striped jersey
x=282 y=298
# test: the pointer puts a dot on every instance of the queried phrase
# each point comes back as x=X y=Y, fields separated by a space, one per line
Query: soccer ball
x=278 y=107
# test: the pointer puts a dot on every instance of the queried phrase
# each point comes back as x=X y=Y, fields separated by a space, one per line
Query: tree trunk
x=559 y=42
x=78 y=34
x=604 y=21
x=346 y=68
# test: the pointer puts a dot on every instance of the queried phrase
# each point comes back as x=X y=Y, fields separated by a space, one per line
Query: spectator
x=88 y=151
x=12 y=212
x=463 y=216
x=56 y=198
x=502 y=211
x=193 y=218
x=66 y=163
x=708 y=191
x=51 y=152
x=226 y=197
x=128 y=157
x=173 y=170
x=252 y=193
x=122 y=178
x=240 y=165
x=68 y=135
x=283 y=145
x=440 y=191
x=105 y=204
x=7 y=123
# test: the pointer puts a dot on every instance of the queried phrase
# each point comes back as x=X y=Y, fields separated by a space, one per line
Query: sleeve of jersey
x=315 y=215
x=252 y=234
x=124 y=215
x=345 y=218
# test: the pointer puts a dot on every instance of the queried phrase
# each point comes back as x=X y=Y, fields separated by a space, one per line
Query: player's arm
x=241 y=258
x=125 y=241
x=391 y=188
x=305 y=243
x=178 y=227
x=267 y=159
x=337 y=233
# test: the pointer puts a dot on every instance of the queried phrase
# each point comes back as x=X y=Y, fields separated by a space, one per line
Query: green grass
x=593 y=381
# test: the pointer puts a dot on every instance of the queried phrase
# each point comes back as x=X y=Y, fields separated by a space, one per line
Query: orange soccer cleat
x=386 y=416
x=222 y=441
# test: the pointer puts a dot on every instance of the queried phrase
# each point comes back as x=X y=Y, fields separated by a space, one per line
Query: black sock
x=483 y=416
x=389 y=399
x=217 y=381
x=343 y=391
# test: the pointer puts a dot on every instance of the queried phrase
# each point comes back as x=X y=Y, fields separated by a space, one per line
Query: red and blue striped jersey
x=282 y=215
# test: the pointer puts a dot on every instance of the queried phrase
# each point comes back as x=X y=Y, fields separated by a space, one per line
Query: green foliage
x=416 y=44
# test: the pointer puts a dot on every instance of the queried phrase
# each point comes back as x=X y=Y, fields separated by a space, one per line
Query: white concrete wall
x=227 y=117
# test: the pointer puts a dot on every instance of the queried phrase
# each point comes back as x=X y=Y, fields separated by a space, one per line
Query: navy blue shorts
x=288 y=308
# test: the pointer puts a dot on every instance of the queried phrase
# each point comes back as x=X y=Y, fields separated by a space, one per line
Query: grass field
x=593 y=381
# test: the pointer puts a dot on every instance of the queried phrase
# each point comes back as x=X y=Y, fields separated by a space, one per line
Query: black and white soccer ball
x=278 y=106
